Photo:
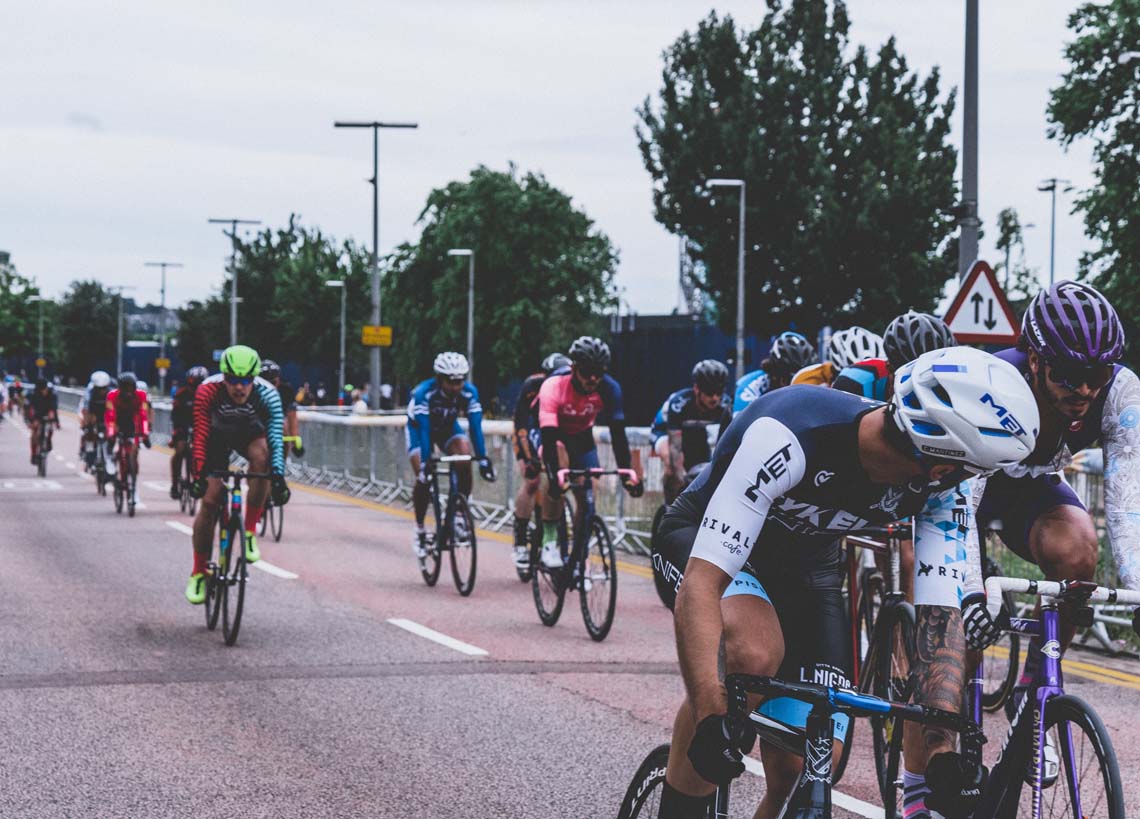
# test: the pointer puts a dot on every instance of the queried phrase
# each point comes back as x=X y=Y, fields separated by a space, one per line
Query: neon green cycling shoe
x=196 y=589
x=252 y=553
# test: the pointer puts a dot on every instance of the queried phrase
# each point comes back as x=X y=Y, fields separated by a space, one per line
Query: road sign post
x=375 y=335
x=980 y=312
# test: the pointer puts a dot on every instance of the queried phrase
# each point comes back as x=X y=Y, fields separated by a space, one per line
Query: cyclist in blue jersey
x=750 y=548
x=679 y=436
x=907 y=337
x=433 y=420
x=790 y=353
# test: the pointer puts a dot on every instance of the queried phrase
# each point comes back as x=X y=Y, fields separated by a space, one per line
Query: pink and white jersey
x=562 y=405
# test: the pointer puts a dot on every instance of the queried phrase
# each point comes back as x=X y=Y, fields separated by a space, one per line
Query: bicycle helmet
x=910 y=335
x=793 y=351
x=128 y=383
x=242 y=361
x=854 y=344
x=553 y=362
x=270 y=369
x=100 y=378
x=710 y=376
x=41 y=384
x=590 y=350
x=452 y=366
x=964 y=405
x=1073 y=321
x=197 y=374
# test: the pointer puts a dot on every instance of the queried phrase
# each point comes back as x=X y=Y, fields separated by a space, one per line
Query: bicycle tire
x=264 y=523
x=548 y=586
x=276 y=521
x=215 y=578
x=235 y=586
x=887 y=676
x=1006 y=654
x=664 y=590
x=132 y=488
x=598 y=590
x=118 y=496
x=464 y=554
x=41 y=465
x=642 y=798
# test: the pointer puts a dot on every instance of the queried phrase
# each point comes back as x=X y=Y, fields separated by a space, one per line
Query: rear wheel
x=1003 y=657
x=118 y=494
x=886 y=674
x=233 y=601
x=463 y=552
x=598 y=590
x=131 y=488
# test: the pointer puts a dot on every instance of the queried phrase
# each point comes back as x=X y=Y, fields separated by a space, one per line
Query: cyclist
x=845 y=348
x=181 y=421
x=677 y=441
x=271 y=372
x=92 y=407
x=126 y=417
x=234 y=411
x=433 y=420
x=15 y=396
x=750 y=547
x=790 y=353
x=41 y=407
x=3 y=394
x=569 y=402
x=527 y=443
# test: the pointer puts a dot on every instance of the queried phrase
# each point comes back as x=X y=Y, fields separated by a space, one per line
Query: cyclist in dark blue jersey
x=679 y=435
x=790 y=353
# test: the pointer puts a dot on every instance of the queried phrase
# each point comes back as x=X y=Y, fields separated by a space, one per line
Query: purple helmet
x=1075 y=322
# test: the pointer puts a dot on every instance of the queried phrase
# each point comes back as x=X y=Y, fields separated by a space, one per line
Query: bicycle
x=186 y=500
x=273 y=517
x=227 y=575
x=459 y=542
x=126 y=476
x=99 y=465
x=43 y=447
x=591 y=567
x=811 y=796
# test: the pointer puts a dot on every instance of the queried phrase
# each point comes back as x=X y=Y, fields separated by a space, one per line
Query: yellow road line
x=1124 y=676
x=1101 y=678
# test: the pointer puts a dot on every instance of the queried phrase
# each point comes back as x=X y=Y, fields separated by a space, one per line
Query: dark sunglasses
x=243 y=380
x=1071 y=375
x=589 y=371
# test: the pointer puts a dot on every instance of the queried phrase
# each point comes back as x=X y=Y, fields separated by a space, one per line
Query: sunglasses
x=242 y=380
x=588 y=371
x=1071 y=375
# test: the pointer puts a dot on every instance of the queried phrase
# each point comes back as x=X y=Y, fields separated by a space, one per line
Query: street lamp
x=1050 y=186
x=374 y=393
x=343 y=297
x=737 y=183
x=162 y=319
x=233 y=223
x=40 y=355
x=470 y=254
x=118 y=291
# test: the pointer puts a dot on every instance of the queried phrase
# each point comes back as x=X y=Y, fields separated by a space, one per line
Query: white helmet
x=965 y=405
x=100 y=379
x=854 y=344
x=452 y=366
x=141 y=385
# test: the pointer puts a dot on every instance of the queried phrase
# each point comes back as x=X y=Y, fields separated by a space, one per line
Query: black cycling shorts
x=231 y=434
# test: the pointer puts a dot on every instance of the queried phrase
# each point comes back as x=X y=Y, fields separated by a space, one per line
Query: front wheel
x=547 y=585
x=886 y=674
x=118 y=493
x=598 y=587
x=642 y=798
x=463 y=551
x=233 y=601
x=265 y=515
x=276 y=515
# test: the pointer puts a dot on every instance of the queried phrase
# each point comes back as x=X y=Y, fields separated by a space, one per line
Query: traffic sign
x=375 y=335
x=41 y=362
x=162 y=363
x=980 y=313
x=218 y=355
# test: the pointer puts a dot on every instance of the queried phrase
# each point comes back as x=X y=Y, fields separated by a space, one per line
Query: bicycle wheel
x=598 y=592
x=526 y=572
x=463 y=552
x=430 y=564
x=132 y=488
x=234 y=599
x=1002 y=661
x=216 y=577
x=41 y=464
x=265 y=513
x=1088 y=784
x=642 y=798
x=547 y=585
x=276 y=517
x=886 y=674
x=118 y=494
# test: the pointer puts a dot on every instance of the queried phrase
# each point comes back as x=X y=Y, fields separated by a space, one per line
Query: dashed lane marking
x=178 y=526
x=70 y=464
x=264 y=565
x=438 y=637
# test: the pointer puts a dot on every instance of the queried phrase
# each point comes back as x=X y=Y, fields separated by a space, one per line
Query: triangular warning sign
x=980 y=313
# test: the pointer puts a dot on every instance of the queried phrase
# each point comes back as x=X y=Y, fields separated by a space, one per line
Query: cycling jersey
x=567 y=414
x=682 y=407
x=94 y=401
x=526 y=414
x=750 y=387
x=182 y=410
x=37 y=405
x=821 y=374
x=288 y=396
x=433 y=417
x=126 y=414
x=220 y=425
x=869 y=379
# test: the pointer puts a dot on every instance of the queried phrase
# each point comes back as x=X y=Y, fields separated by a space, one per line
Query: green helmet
x=241 y=361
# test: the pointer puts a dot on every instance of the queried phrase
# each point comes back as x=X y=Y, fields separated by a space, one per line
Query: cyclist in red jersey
x=126 y=417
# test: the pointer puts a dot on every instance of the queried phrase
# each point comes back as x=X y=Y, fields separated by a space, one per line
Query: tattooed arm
x=939 y=672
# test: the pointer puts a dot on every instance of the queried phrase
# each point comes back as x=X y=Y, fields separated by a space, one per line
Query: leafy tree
x=543 y=274
x=847 y=159
x=1018 y=280
x=18 y=315
x=86 y=326
x=1098 y=99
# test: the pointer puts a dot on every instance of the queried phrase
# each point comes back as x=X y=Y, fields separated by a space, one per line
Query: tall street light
x=118 y=291
x=1050 y=186
x=233 y=223
x=470 y=254
x=40 y=354
x=967 y=211
x=737 y=183
x=162 y=319
x=374 y=393
x=343 y=300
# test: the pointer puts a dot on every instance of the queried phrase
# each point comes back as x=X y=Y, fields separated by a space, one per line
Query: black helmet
x=41 y=383
x=793 y=351
x=270 y=370
x=910 y=335
x=128 y=382
x=590 y=350
x=710 y=376
x=197 y=374
x=553 y=362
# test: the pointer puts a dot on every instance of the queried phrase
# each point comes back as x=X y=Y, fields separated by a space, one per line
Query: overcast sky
x=125 y=125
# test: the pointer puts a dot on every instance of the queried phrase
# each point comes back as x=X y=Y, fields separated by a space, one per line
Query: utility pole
x=374 y=392
x=39 y=355
x=118 y=291
x=968 y=209
x=162 y=319
x=1050 y=186
x=737 y=183
x=233 y=223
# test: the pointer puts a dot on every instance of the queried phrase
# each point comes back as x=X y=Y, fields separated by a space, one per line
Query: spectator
x=386 y=399
x=359 y=405
x=322 y=393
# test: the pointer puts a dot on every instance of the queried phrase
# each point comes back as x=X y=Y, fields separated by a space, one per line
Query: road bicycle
x=127 y=474
x=454 y=529
x=811 y=796
x=228 y=572
x=273 y=518
x=186 y=500
x=43 y=447
x=99 y=462
x=588 y=561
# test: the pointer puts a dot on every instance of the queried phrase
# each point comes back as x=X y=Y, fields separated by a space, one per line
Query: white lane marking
x=276 y=571
x=844 y=801
x=59 y=458
x=437 y=637
x=156 y=486
x=178 y=526
x=70 y=464
x=30 y=485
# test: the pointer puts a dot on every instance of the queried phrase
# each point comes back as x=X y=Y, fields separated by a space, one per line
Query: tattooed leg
x=940 y=675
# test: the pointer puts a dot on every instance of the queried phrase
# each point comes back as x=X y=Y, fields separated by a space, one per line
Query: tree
x=849 y=169
x=1018 y=280
x=18 y=315
x=1099 y=99
x=543 y=275
x=87 y=317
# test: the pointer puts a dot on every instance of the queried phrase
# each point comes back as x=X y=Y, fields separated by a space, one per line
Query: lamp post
x=118 y=291
x=343 y=303
x=40 y=354
x=737 y=183
x=162 y=319
x=1050 y=186
x=470 y=254
x=374 y=393
x=233 y=223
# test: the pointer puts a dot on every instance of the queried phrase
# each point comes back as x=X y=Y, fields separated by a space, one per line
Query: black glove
x=298 y=450
x=955 y=785
x=279 y=490
x=635 y=488
x=198 y=488
x=718 y=748
x=146 y=441
x=982 y=630
x=487 y=469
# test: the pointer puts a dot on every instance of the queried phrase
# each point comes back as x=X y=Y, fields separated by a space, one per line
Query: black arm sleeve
x=620 y=444
x=523 y=405
x=550 y=453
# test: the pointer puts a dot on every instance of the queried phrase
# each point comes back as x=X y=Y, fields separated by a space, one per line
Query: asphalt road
x=116 y=701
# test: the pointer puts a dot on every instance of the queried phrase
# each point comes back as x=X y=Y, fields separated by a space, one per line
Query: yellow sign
x=42 y=362
x=162 y=363
x=373 y=335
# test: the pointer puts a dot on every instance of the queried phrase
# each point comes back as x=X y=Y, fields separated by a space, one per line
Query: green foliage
x=18 y=316
x=847 y=160
x=86 y=327
x=543 y=273
x=1018 y=280
x=1098 y=99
